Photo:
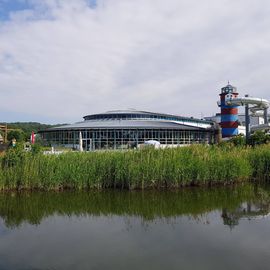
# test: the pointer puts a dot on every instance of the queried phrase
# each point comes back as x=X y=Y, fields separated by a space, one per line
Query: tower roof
x=228 y=89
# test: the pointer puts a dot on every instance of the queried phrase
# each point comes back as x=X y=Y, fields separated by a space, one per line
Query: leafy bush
x=14 y=155
x=259 y=137
x=238 y=140
x=19 y=135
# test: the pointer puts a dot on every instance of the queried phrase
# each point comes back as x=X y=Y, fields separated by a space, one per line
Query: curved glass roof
x=130 y=124
x=136 y=119
x=140 y=115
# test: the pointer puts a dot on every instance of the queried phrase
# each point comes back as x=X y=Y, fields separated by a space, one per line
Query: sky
x=63 y=59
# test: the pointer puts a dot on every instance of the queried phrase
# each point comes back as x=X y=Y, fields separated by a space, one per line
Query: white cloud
x=64 y=59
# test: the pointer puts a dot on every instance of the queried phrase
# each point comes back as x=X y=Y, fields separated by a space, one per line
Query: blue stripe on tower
x=229 y=118
x=228 y=132
x=227 y=106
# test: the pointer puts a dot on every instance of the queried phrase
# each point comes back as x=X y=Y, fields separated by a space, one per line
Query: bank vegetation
x=134 y=169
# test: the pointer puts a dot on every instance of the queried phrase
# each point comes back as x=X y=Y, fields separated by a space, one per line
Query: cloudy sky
x=62 y=59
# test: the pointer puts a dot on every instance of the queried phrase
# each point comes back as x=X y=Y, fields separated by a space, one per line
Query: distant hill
x=28 y=127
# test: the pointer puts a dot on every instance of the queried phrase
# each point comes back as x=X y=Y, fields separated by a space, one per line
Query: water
x=218 y=228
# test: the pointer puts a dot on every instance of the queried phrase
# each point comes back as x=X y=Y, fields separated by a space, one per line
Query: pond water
x=193 y=228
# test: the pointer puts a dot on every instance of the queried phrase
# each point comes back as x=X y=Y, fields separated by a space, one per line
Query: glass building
x=129 y=129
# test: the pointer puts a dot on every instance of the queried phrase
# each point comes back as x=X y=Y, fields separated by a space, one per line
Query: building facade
x=129 y=129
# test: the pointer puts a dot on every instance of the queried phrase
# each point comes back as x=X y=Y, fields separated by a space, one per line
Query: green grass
x=136 y=169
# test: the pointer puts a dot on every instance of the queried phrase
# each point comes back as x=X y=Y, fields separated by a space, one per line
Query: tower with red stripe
x=229 y=113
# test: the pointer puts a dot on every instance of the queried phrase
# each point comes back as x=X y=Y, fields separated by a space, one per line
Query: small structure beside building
x=3 y=136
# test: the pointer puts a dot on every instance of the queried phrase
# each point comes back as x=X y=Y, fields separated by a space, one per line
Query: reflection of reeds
x=195 y=203
x=137 y=169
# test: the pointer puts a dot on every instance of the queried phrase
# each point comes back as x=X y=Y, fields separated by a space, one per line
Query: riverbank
x=136 y=169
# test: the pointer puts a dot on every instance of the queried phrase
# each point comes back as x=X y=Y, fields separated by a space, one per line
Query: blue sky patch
x=8 y=6
x=92 y=3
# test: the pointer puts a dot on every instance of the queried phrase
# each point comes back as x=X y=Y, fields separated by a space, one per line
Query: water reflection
x=234 y=203
x=255 y=207
x=217 y=228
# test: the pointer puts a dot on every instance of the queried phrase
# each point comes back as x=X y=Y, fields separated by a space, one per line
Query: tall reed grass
x=136 y=169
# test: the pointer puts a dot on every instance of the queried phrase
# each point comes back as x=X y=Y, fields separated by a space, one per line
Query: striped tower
x=229 y=114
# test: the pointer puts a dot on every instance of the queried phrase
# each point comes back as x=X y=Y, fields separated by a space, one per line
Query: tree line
x=21 y=131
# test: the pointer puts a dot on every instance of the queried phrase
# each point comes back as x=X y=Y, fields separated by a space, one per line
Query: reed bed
x=136 y=169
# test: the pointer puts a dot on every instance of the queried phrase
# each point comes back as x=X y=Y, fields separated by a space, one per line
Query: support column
x=247 y=120
x=265 y=116
x=5 y=136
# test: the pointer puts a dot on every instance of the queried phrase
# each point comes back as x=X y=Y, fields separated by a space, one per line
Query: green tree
x=19 y=135
x=28 y=127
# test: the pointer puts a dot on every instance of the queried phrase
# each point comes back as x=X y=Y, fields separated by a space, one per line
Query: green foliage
x=18 y=208
x=19 y=135
x=135 y=169
x=28 y=127
x=39 y=140
x=259 y=159
x=36 y=148
x=13 y=156
x=259 y=137
x=238 y=140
